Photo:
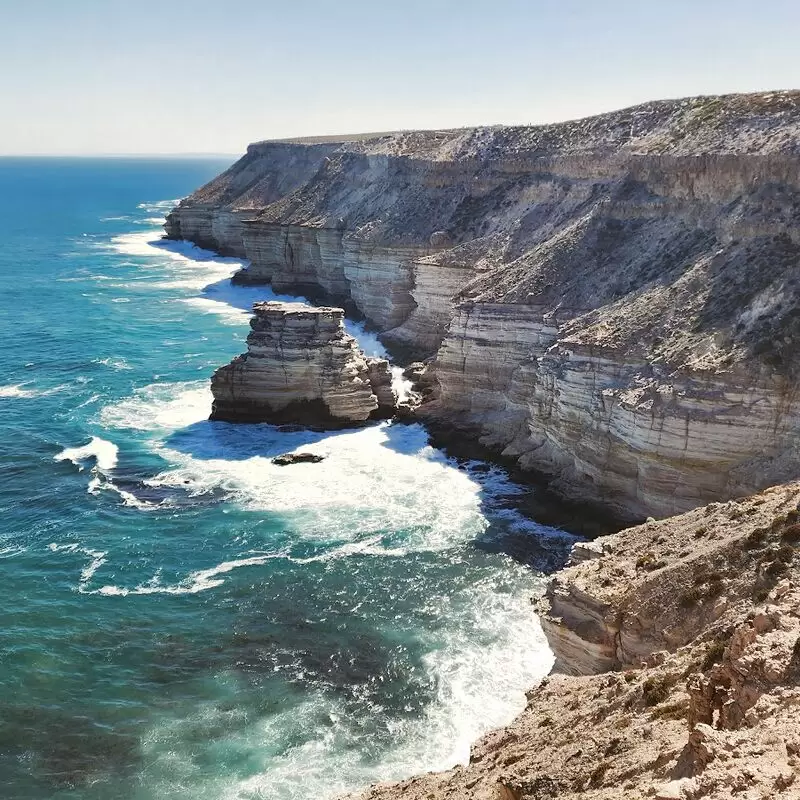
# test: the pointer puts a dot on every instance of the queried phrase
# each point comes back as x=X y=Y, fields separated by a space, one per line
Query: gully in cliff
x=301 y=367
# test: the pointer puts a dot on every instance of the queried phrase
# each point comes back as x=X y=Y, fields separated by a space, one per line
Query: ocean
x=182 y=619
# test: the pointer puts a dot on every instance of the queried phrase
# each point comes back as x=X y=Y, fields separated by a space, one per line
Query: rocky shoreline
x=677 y=674
x=610 y=302
x=610 y=305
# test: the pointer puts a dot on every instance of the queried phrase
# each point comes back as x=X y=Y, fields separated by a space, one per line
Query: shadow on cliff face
x=756 y=309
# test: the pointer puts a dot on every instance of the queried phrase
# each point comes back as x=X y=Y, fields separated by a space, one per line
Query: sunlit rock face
x=611 y=301
x=301 y=367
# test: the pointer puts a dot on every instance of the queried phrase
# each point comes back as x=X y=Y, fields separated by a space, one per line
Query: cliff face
x=301 y=367
x=610 y=301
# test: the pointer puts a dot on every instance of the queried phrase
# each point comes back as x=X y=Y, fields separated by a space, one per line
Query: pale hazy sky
x=137 y=76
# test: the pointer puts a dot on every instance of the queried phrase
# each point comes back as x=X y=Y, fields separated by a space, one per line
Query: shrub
x=676 y=710
x=791 y=534
x=655 y=690
x=713 y=655
x=646 y=560
x=691 y=597
x=776 y=568
x=779 y=522
x=598 y=773
x=755 y=538
x=785 y=553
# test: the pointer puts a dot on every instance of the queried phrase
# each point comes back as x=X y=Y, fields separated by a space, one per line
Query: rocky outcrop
x=610 y=302
x=683 y=637
x=287 y=459
x=301 y=367
x=659 y=585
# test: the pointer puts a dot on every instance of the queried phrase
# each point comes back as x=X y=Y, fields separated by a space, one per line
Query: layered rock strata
x=301 y=367
x=611 y=302
x=682 y=638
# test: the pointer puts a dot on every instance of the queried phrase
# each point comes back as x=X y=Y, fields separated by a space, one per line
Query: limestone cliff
x=301 y=367
x=612 y=301
x=683 y=637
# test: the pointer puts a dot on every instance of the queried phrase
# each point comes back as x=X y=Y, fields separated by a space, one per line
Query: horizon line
x=123 y=155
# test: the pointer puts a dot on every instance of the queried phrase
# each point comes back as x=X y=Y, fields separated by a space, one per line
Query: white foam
x=114 y=363
x=380 y=478
x=103 y=452
x=227 y=313
x=25 y=391
x=157 y=206
x=17 y=390
x=491 y=650
x=96 y=560
x=160 y=407
x=195 y=582
x=175 y=264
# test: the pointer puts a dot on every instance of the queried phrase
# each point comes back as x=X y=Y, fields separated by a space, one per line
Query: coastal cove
x=189 y=619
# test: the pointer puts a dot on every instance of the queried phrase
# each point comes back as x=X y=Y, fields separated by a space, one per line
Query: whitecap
x=103 y=452
x=17 y=390
x=195 y=582
x=25 y=391
x=96 y=560
x=160 y=406
x=113 y=362
x=155 y=206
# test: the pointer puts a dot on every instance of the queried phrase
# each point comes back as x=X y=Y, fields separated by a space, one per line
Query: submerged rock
x=301 y=367
x=297 y=458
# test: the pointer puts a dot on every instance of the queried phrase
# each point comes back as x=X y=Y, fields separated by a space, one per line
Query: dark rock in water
x=297 y=458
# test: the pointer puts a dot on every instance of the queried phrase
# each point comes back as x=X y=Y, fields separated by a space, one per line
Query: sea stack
x=301 y=367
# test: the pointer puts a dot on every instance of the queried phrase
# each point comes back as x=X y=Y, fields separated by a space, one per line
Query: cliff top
x=757 y=123
x=294 y=309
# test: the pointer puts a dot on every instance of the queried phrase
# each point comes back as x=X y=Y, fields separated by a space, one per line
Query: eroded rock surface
x=683 y=637
x=612 y=301
x=301 y=367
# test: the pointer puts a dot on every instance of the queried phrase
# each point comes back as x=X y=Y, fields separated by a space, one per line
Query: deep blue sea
x=181 y=618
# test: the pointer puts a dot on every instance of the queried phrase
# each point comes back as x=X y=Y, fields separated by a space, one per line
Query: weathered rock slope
x=613 y=302
x=301 y=367
x=694 y=626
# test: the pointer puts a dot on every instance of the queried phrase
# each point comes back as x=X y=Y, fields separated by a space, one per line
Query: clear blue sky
x=136 y=76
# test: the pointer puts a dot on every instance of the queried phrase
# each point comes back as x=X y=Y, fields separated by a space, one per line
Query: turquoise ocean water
x=180 y=617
